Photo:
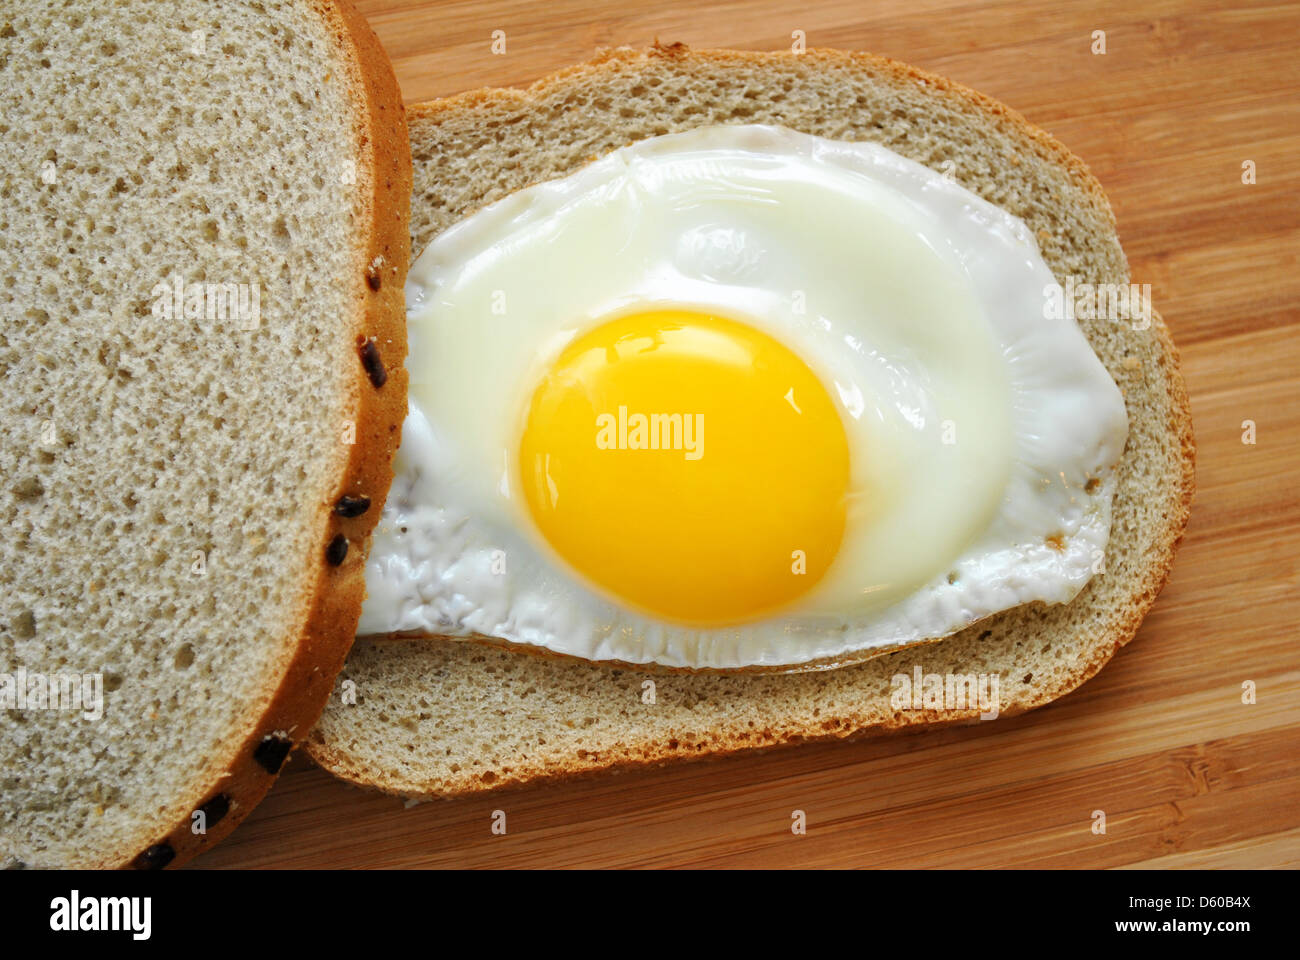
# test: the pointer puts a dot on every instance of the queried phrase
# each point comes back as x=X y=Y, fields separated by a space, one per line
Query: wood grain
x=1188 y=775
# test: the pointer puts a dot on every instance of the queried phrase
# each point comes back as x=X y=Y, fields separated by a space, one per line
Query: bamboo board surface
x=1188 y=775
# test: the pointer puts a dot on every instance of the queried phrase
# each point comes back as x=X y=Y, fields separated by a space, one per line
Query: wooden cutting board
x=1186 y=773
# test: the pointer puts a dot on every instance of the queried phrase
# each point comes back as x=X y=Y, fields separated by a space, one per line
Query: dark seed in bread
x=215 y=809
x=374 y=365
x=272 y=751
x=349 y=506
x=337 y=550
x=155 y=857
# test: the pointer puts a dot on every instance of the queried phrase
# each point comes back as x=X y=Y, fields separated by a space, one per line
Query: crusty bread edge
x=1178 y=424
x=333 y=605
x=1046 y=146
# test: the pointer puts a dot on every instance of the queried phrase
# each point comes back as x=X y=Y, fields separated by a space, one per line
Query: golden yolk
x=689 y=465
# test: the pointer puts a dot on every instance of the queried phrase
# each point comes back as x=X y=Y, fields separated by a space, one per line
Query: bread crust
x=1047 y=146
x=1124 y=622
x=328 y=620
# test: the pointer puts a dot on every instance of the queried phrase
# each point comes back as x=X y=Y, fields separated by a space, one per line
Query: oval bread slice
x=434 y=717
x=205 y=236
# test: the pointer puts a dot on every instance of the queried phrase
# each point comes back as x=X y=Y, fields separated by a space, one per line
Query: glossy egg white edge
x=455 y=556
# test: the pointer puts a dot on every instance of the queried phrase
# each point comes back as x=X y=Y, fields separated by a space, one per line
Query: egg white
x=975 y=421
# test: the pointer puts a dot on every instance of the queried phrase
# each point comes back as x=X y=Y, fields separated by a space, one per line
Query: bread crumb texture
x=164 y=478
x=440 y=718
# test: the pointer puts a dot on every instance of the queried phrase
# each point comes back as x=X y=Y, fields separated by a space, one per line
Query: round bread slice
x=205 y=235
x=434 y=717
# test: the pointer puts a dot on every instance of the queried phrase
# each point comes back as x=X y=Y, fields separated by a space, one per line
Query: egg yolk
x=689 y=465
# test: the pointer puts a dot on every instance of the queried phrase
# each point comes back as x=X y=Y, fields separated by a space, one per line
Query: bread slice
x=172 y=484
x=434 y=717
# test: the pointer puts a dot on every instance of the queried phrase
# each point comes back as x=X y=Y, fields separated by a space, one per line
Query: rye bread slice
x=436 y=717
x=174 y=477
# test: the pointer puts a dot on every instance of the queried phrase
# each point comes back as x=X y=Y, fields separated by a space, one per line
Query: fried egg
x=740 y=397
